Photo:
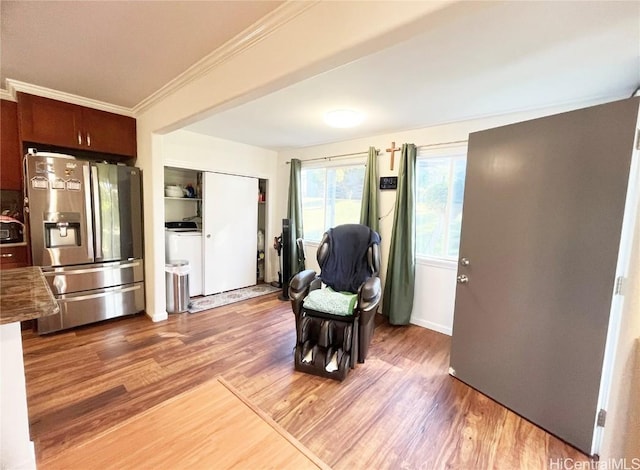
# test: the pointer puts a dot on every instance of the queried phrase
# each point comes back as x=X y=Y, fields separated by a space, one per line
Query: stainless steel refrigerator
x=85 y=222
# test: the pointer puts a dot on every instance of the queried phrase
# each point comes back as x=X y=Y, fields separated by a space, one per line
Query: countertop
x=25 y=295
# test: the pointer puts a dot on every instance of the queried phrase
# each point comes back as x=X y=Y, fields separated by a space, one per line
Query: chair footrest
x=323 y=362
x=327 y=344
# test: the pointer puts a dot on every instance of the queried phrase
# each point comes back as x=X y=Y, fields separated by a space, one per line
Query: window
x=330 y=196
x=439 y=194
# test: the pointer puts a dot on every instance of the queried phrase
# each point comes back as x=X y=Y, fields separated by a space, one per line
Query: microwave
x=11 y=232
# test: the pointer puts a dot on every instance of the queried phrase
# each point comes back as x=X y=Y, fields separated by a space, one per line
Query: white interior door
x=230 y=226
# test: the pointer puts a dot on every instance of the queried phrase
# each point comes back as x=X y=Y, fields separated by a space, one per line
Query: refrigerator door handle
x=86 y=169
x=96 y=212
x=100 y=268
x=102 y=293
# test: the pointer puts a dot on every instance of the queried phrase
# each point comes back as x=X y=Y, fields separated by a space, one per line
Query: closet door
x=230 y=226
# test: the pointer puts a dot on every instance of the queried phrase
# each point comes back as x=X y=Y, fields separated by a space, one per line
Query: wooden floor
x=398 y=410
x=209 y=426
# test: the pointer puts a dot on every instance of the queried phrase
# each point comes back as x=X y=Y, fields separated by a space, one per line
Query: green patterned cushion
x=329 y=301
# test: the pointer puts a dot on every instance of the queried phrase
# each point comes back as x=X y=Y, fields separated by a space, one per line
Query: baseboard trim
x=432 y=326
x=157 y=317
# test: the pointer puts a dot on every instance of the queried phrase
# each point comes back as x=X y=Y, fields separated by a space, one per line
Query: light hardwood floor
x=209 y=426
x=400 y=409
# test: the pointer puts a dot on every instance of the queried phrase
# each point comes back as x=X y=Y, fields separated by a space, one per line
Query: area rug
x=224 y=298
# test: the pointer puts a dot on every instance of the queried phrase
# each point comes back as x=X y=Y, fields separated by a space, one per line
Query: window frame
x=327 y=164
x=451 y=152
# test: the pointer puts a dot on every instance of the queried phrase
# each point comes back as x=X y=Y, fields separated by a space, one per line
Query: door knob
x=208 y=235
x=462 y=279
x=464 y=261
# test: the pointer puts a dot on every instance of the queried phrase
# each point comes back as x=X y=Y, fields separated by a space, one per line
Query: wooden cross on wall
x=393 y=150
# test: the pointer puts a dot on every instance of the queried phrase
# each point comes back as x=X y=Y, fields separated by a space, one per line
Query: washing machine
x=183 y=240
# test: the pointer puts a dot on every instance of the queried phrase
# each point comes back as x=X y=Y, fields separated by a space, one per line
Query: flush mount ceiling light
x=343 y=118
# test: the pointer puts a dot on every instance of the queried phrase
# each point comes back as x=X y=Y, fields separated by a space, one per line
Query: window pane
x=439 y=194
x=330 y=196
x=455 y=218
x=313 y=184
x=348 y=195
x=432 y=190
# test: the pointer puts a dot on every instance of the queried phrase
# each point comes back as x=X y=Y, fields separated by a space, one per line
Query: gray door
x=543 y=210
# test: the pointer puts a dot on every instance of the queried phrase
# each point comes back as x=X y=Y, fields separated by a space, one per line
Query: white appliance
x=186 y=243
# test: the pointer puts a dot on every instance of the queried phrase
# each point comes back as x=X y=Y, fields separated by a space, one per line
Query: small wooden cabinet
x=10 y=154
x=47 y=121
x=13 y=257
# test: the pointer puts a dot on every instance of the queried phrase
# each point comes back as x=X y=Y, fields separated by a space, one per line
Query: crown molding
x=252 y=35
x=5 y=95
x=15 y=86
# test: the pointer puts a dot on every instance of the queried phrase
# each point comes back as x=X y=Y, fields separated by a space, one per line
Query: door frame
x=630 y=220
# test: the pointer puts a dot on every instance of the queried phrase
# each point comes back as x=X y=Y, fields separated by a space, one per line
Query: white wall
x=17 y=451
x=435 y=279
x=184 y=149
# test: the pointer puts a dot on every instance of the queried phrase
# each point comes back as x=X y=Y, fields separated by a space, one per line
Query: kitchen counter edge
x=25 y=295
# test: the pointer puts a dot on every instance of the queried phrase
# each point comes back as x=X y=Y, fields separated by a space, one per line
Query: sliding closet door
x=543 y=210
x=230 y=226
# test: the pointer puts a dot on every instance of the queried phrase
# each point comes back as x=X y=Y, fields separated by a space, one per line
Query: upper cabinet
x=47 y=121
x=10 y=154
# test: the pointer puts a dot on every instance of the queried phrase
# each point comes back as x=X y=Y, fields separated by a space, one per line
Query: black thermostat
x=388 y=182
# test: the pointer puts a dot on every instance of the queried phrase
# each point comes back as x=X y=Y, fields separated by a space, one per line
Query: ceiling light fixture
x=343 y=118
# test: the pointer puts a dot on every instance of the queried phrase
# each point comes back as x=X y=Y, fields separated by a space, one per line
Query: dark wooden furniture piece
x=52 y=122
x=14 y=255
x=11 y=156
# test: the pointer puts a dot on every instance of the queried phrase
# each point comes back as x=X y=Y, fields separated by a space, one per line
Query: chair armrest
x=373 y=258
x=299 y=288
x=369 y=294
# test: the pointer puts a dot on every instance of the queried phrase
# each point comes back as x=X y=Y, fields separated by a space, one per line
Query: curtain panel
x=369 y=205
x=294 y=214
x=400 y=279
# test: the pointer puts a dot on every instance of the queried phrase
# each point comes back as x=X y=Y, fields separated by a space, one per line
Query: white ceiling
x=119 y=52
x=486 y=59
x=477 y=59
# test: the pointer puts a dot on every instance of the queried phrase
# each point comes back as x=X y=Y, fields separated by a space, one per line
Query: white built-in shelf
x=183 y=198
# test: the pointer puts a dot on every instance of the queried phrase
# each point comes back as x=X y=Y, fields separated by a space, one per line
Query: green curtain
x=369 y=205
x=294 y=214
x=400 y=281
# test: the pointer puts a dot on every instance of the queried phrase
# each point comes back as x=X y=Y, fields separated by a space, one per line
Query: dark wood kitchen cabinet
x=52 y=122
x=11 y=156
x=13 y=257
